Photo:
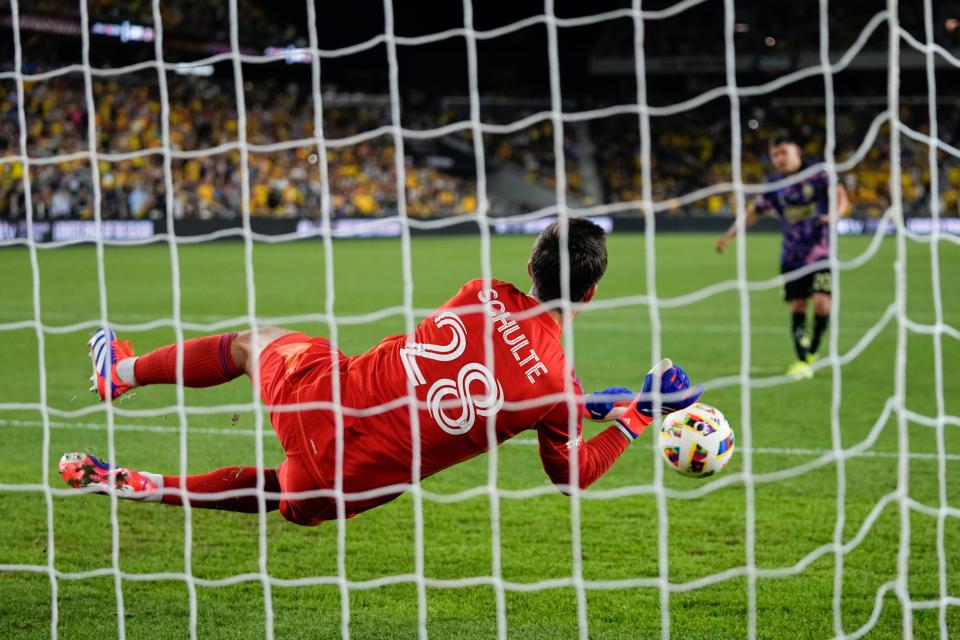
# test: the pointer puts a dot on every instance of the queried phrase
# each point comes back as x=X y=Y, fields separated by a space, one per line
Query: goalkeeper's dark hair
x=588 y=260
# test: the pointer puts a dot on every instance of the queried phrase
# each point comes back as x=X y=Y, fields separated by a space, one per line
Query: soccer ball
x=696 y=442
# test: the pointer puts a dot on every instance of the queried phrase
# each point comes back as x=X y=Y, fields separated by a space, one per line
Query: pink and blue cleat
x=81 y=470
x=106 y=350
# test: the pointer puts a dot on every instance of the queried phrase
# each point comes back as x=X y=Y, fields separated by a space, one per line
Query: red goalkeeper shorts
x=297 y=369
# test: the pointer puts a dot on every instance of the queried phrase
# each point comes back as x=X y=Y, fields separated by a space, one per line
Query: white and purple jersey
x=799 y=206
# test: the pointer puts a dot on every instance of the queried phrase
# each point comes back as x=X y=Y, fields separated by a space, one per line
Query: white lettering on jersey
x=446 y=393
x=509 y=330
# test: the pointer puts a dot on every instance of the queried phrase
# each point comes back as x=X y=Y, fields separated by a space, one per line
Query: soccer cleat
x=800 y=370
x=81 y=470
x=811 y=358
x=106 y=350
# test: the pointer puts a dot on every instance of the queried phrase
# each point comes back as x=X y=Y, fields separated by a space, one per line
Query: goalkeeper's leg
x=300 y=503
x=82 y=470
x=207 y=361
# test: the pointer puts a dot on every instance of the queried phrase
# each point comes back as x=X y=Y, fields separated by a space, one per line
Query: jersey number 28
x=453 y=395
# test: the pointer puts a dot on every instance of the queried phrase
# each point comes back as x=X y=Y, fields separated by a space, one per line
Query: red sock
x=224 y=479
x=206 y=362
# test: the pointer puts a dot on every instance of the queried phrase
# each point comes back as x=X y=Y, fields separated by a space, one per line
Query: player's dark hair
x=588 y=259
x=782 y=137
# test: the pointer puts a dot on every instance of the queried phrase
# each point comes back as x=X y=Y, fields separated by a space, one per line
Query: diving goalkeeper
x=466 y=400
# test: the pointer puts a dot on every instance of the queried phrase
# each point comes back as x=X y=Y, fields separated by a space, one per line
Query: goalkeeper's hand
x=600 y=404
x=676 y=393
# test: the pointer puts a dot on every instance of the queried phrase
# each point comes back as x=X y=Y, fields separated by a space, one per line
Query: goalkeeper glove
x=675 y=391
x=600 y=404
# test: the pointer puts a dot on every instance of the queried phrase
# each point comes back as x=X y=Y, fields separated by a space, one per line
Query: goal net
x=838 y=495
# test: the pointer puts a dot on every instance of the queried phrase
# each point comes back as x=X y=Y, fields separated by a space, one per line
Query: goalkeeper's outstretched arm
x=595 y=456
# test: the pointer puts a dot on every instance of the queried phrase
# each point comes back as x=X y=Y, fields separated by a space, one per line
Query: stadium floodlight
x=201 y=70
x=125 y=31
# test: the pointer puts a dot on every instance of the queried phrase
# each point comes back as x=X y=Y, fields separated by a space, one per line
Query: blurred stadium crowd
x=601 y=156
x=699 y=154
x=285 y=182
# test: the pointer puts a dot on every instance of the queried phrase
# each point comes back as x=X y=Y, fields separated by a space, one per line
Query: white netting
x=896 y=314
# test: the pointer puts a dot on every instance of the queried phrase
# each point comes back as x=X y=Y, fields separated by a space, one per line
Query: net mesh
x=895 y=314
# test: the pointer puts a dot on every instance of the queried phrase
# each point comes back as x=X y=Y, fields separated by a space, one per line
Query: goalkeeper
x=804 y=210
x=466 y=400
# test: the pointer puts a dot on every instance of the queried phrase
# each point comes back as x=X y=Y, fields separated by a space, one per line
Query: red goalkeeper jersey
x=467 y=398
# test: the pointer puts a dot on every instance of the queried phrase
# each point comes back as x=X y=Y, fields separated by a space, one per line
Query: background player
x=804 y=211
x=465 y=402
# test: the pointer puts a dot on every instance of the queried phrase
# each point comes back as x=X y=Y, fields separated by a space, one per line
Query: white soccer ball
x=696 y=442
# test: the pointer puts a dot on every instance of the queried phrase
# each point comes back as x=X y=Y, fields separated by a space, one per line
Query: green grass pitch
x=790 y=427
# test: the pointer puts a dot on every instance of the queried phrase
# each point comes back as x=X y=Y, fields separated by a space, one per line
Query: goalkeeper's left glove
x=600 y=404
x=675 y=391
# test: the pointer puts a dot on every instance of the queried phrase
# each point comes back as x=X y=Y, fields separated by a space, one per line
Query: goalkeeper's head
x=587 y=246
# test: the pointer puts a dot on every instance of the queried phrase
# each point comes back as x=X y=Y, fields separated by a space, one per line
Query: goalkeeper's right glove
x=600 y=404
x=675 y=391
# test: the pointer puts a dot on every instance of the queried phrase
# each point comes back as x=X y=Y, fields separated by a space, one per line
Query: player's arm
x=753 y=214
x=607 y=405
x=594 y=456
x=597 y=455
x=843 y=204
